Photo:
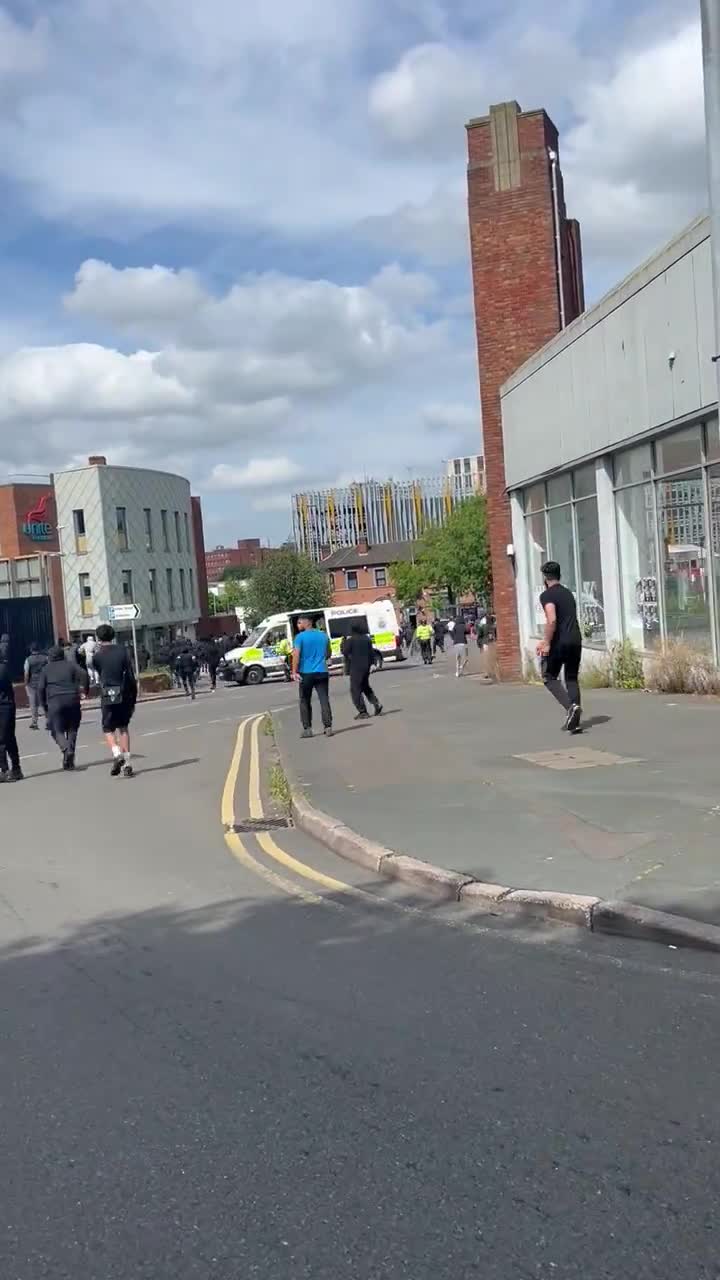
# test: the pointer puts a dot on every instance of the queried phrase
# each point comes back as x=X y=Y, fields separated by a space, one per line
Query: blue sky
x=234 y=241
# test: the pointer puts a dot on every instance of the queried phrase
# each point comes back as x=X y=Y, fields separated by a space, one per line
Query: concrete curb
x=622 y=918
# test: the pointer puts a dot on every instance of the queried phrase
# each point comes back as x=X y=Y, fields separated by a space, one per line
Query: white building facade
x=468 y=473
x=126 y=537
x=612 y=458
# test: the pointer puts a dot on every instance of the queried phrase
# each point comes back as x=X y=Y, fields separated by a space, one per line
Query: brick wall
x=17 y=501
x=517 y=303
x=366 y=591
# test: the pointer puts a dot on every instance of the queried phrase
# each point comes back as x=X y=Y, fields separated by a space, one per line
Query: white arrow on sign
x=124 y=612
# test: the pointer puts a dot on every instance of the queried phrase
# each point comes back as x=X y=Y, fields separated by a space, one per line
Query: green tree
x=288 y=581
x=409 y=580
x=457 y=556
x=233 y=573
x=234 y=595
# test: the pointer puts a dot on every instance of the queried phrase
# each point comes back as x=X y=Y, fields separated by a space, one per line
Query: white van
x=259 y=657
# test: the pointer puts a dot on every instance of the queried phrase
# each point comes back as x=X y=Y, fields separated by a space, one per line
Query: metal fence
x=25 y=621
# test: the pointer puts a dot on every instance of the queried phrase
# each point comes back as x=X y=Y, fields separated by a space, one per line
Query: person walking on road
x=358 y=652
x=34 y=664
x=460 y=646
x=8 y=741
x=310 y=657
x=561 y=646
x=439 y=633
x=187 y=666
x=424 y=637
x=60 y=686
x=213 y=662
x=118 y=695
x=87 y=651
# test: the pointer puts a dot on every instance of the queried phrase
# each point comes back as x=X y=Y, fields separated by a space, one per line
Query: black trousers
x=213 y=677
x=64 y=724
x=188 y=683
x=321 y=684
x=8 y=741
x=426 y=650
x=565 y=658
x=360 y=689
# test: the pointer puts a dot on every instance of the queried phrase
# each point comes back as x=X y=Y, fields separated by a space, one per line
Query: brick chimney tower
x=527 y=284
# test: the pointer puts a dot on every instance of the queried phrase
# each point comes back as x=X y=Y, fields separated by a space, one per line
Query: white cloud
x=258 y=473
x=454 y=419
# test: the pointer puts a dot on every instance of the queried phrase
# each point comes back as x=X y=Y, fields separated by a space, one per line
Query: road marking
x=179 y=727
x=154 y=733
x=227 y=804
x=256 y=807
x=35 y=755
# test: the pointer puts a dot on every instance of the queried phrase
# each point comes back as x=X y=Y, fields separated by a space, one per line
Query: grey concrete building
x=126 y=536
x=612 y=458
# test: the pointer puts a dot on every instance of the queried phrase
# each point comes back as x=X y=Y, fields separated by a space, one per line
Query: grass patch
x=279 y=789
x=681 y=669
x=267 y=725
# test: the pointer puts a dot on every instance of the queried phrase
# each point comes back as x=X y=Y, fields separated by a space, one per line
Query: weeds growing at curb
x=279 y=789
x=267 y=725
x=681 y=669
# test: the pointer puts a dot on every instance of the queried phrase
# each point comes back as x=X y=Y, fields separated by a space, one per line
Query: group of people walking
x=57 y=684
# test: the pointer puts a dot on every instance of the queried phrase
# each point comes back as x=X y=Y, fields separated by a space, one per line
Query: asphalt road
x=227 y=1057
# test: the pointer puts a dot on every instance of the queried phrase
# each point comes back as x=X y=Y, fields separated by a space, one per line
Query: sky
x=233 y=239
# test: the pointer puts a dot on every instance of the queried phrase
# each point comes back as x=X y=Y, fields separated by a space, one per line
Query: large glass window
x=537 y=555
x=678 y=450
x=590 y=593
x=562 y=543
x=638 y=566
x=28 y=577
x=681 y=516
x=632 y=466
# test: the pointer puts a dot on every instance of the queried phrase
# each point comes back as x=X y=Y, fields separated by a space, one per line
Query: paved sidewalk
x=463 y=774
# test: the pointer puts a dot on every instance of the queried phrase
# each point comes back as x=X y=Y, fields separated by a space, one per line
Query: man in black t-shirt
x=561 y=646
x=118 y=695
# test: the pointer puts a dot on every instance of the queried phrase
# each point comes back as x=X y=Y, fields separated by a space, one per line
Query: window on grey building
x=87 y=608
x=183 y=593
x=561 y=523
x=127 y=586
x=351 y=580
x=147 y=513
x=5 y=580
x=191 y=583
x=121 y=529
x=28 y=577
x=186 y=521
x=380 y=577
x=152 y=582
x=165 y=533
x=79 y=531
x=170 y=589
x=178 y=542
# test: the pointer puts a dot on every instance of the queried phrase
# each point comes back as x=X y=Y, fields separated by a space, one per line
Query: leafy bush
x=681 y=669
x=626 y=667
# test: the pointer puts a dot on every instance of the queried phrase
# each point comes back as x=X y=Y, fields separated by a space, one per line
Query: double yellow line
x=263 y=838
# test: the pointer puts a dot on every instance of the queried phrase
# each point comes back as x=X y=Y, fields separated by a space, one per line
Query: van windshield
x=254 y=637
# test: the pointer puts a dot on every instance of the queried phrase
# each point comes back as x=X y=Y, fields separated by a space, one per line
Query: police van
x=263 y=653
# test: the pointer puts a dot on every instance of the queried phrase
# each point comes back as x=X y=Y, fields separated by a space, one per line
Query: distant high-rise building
x=468 y=473
x=372 y=511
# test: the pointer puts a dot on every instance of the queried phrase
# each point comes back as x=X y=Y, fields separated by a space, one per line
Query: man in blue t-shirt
x=310 y=668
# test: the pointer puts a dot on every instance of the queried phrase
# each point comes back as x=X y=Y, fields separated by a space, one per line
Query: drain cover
x=261 y=824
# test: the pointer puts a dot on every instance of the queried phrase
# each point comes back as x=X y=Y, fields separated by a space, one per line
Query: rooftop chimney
x=97 y=460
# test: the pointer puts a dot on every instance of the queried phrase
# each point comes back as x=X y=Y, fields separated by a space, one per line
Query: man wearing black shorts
x=118 y=695
x=561 y=646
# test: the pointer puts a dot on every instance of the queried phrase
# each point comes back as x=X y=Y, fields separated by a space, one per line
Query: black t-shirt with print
x=567 y=628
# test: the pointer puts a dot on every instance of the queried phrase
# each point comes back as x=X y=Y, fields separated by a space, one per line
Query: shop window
x=537 y=555
x=681 y=517
x=562 y=543
x=678 y=450
x=585 y=481
x=590 y=594
x=633 y=466
x=559 y=490
x=712 y=441
x=534 y=498
x=638 y=566
x=5 y=580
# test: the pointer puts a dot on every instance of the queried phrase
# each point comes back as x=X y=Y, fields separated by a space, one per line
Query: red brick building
x=527 y=284
x=248 y=554
x=361 y=574
x=29 y=547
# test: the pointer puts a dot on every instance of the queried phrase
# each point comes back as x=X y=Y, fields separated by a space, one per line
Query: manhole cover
x=576 y=758
x=261 y=824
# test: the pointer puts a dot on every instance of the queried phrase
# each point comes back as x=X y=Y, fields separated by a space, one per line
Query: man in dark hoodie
x=8 y=741
x=358 y=652
x=60 y=687
x=187 y=668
